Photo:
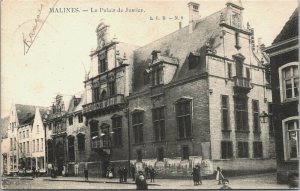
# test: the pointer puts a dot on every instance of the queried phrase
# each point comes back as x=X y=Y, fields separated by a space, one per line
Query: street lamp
x=264 y=117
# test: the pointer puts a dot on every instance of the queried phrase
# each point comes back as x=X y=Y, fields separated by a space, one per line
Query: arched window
x=103 y=94
x=289 y=81
x=81 y=142
x=290 y=128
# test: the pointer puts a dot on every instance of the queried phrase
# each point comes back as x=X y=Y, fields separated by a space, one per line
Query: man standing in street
x=120 y=173
x=125 y=172
x=133 y=172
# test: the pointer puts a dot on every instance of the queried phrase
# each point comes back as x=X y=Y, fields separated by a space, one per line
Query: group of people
x=197 y=178
x=150 y=173
x=35 y=172
x=123 y=172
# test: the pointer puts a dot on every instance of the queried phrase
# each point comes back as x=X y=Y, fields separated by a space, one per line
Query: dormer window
x=102 y=64
x=157 y=77
x=194 y=60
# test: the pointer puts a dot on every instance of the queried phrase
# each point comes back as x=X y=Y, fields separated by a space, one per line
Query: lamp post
x=264 y=117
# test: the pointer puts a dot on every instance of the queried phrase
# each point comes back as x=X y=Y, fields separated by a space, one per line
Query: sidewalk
x=93 y=180
x=259 y=181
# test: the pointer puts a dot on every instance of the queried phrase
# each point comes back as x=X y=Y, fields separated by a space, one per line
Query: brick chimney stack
x=193 y=15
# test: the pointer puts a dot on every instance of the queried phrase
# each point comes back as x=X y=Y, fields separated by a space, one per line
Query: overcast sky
x=59 y=56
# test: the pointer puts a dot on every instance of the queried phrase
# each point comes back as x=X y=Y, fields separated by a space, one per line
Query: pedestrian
x=125 y=172
x=141 y=183
x=219 y=176
x=86 y=173
x=120 y=173
x=33 y=172
x=76 y=166
x=113 y=171
x=110 y=174
x=194 y=174
x=225 y=186
x=152 y=174
x=55 y=171
x=199 y=180
x=133 y=172
x=147 y=172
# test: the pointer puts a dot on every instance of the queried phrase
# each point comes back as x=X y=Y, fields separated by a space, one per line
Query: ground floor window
x=185 y=152
x=226 y=149
x=257 y=150
x=290 y=127
x=243 y=150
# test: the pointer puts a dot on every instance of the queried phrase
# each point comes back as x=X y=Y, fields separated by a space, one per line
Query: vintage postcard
x=147 y=94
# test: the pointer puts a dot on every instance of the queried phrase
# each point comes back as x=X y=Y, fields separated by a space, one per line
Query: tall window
x=139 y=155
x=225 y=112
x=94 y=133
x=42 y=144
x=237 y=41
x=37 y=145
x=160 y=154
x=257 y=150
x=158 y=117
x=80 y=118
x=255 y=108
x=117 y=130
x=137 y=122
x=11 y=144
x=183 y=115
x=71 y=151
x=157 y=77
x=185 y=152
x=247 y=73
x=95 y=94
x=226 y=149
x=20 y=135
x=241 y=113
x=33 y=146
x=239 y=68
x=71 y=120
x=229 y=70
x=28 y=147
x=290 y=127
x=21 y=148
x=37 y=129
x=15 y=144
x=24 y=147
x=24 y=134
x=243 y=150
x=102 y=64
x=289 y=82
x=27 y=133
x=112 y=88
x=81 y=142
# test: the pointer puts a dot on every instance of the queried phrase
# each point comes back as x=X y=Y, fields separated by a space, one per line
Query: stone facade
x=284 y=58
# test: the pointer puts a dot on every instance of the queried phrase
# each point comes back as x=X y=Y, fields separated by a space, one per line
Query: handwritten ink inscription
x=29 y=39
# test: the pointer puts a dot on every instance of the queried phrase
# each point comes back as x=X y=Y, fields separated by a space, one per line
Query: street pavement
x=259 y=181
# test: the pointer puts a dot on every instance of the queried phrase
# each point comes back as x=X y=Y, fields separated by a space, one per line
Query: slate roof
x=78 y=107
x=290 y=28
x=26 y=113
x=179 y=45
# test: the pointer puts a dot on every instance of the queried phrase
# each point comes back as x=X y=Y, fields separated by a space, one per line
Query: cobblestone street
x=260 y=181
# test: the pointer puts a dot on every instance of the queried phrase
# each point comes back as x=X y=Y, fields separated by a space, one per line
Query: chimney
x=193 y=15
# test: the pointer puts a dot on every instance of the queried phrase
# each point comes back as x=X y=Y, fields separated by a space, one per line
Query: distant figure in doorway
x=133 y=172
x=120 y=173
x=141 y=183
x=86 y=173
x=125 y=172
x=152 y=174
x=225 y=186
x=219 y=176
